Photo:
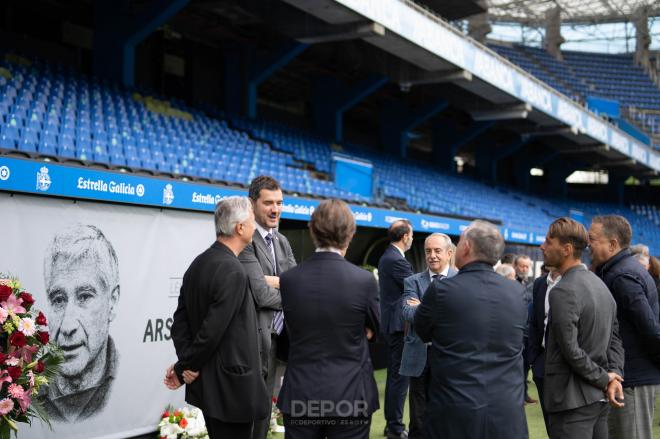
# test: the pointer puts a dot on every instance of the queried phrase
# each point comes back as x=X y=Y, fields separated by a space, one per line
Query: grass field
x=534 y=416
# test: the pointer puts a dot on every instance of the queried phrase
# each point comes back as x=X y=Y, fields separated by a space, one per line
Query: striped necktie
x=278 y=317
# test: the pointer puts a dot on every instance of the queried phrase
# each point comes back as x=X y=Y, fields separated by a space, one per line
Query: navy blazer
x=475 y=321
x=535 y=349
x=413 y=359
x=393 y=268
x=328 y=302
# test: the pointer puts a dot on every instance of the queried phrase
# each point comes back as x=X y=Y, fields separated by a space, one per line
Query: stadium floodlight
x=517 y=112
x=344 y=33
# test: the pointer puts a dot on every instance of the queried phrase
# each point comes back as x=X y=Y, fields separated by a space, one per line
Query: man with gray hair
x=215 y=331
x=438 y=251
x=475 y=322
x=81 y=276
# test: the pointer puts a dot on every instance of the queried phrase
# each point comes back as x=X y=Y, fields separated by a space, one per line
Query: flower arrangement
x=28 y=360
x=276 y=420
x=184 y=423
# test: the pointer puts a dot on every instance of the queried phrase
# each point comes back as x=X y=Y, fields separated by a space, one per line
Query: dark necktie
x=278 y=317
x=437 y=276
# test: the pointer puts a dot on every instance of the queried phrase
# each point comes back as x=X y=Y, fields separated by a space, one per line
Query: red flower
x=5 y=291
x=166 y=414
x=40 y=367
x=41 y=319
x=17 y=339
x=28 y=301
x=177 y=414
x=43 y=337
x=183 y=423
x=3 y=357
x=14 y=372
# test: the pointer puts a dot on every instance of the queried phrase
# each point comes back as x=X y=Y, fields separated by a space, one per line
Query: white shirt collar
x=399 y=250
x=329 y=249
x=444 y=272
x=263 y=232
x=553 y=282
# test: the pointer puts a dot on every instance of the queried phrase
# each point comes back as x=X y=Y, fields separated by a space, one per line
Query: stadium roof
x=572 y=11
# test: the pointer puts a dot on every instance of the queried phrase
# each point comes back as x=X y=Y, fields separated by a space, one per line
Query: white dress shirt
x=443 y=273
x=551 y=284
x=263 y=232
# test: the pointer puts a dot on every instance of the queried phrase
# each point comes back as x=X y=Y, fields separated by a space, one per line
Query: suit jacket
x=327 y=304
x=215 y=332
x=393 y=268
x=535 y=349
x=583 y=341
x=258 y=261
x=475 y=321
x=413 y=359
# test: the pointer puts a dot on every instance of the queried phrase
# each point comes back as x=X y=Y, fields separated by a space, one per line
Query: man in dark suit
x=331 y=309
x=215 y=331
x=475 y=321
x=583 y=355
x=268 y=256
x=538 y=321
x=634 y=291
x=393 y=268
x=438 y=250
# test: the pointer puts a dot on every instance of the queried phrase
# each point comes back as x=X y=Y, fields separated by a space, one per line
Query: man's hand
x=273 y=281
x=413 y=302
x=614 y=393
x=614 y=376
x=171 y=381
x=370 y=334
x=189 y=376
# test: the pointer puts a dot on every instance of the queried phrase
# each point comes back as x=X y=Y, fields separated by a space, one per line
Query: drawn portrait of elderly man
x=82 y=286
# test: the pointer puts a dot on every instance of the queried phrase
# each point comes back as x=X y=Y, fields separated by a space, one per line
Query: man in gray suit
x=438 y=250
x=264 y=260
x=584 y=354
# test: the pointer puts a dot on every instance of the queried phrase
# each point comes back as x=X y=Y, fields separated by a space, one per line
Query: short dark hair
x=399 y=228
x=508 y=258
x=262 y=182
x=332 y=224
x=569 y=231
x=615 y=227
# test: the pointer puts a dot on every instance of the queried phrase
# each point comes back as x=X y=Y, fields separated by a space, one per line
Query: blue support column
x=530 y=160
x=331 y=99
x=616 y=186
x=397 y=120
x=233 y=77
x=487 y=157
x=558 y=171
x=448 y=139
x=117 y=34
x=262 y=66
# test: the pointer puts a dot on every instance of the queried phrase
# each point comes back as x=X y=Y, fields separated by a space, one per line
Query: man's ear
x=114 y=299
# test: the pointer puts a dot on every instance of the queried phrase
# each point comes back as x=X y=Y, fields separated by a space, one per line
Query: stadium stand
x=583 y=74
x=51 y=111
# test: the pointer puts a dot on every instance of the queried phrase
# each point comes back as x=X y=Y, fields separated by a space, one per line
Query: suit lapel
x=261 y=250
x=424 y=282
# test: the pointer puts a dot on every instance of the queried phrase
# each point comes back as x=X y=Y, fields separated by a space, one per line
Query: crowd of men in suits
x=460 y=336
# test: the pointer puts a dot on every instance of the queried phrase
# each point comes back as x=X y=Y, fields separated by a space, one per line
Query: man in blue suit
x=475 y=321
x=438 y=250
x=393 y=268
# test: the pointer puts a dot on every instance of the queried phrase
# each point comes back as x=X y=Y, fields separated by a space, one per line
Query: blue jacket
x=413 y=359
x=475 y=321
x=637 y=311
x=393 y=268
x=535 y=350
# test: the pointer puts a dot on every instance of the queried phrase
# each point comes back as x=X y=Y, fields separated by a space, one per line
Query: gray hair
x=505 y=270
x=486 y=241
x=83 y=243
x=640 y=249
x=641 y=257
x=229 y=212
x=447 y=240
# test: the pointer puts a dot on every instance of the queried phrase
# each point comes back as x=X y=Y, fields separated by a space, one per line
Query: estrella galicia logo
x=425 y=224
x=4 y=173
x=139 y=190
x=43 y=179
x=168 y=194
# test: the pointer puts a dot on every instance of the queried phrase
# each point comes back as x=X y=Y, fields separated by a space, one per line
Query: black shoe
x=386 y=431
x=402 y=435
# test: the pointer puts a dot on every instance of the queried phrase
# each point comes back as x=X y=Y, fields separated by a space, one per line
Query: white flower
x=13 y=361
x=170 y=431
x=27 y=326
x=3 y=314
